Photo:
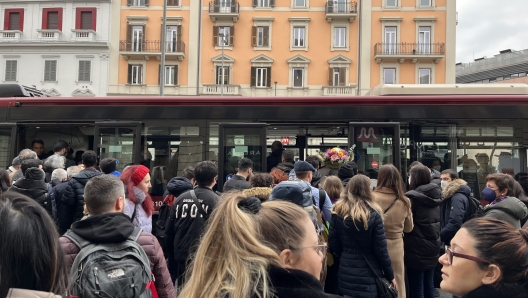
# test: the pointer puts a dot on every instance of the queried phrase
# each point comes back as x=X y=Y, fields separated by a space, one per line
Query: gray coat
x=511 y=210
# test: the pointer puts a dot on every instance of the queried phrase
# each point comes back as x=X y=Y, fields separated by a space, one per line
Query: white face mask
x=444 y=184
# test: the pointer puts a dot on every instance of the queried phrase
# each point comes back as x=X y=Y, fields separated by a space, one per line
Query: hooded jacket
x=73 y=197
x=454 y=209
x=436 y=177
x=179 y=185
x=510 y=210
x=115 y=228
x=317 y=179
x=33 y=186
x=23 y=293
x=263 y=193
x=422 y=244
x=286 y=167
x=237 y=183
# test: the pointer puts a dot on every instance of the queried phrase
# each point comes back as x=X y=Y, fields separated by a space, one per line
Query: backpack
x=475 y=208
x=163 y=217
x=111 y=269
x=283 y=190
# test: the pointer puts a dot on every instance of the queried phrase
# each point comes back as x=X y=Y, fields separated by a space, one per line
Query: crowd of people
x=301 y=230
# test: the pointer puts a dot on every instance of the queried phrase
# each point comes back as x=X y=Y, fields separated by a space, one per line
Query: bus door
x=122 y=141
x=7 y=144
x=375 y=144
x=236 y=141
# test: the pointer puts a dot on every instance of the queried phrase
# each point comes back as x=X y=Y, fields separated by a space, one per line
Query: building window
x=172 y=37
x=135 y=74
x=389 y=76
x=138 y=2
x=260 y=36
x=424 y=40
x=86 y=19
x=222 y=75
x=298 y=77
x=135 y=38
x=298 y=37
x=339 y=37
x=14 y=19
x=171 y=72
x=425 y=75
x=425 y=3
x=391 y=3
x=85 y=69
x=52 y=18
x=11 y=70
x=299 y=3
x=50 y=71
x=390 y=40
x=260 y=77
x=173 y=2
x=263 y=3
x=337 y=76
x=229 y=35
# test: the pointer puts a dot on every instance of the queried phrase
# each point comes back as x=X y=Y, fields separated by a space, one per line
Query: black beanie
x=346 y=171
x=108 y=165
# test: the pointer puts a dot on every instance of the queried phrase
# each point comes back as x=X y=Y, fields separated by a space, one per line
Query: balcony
x=83 y=35
x=214 y=89
x=423 y=52
x=49 y=34
x=174 y=50
x=10 y=35
x=339 y=90
x=341 y=10
x=224 y=10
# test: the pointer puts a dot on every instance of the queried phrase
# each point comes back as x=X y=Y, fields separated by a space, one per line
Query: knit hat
x=139 y=174
x=348 y=170
x=108 y=165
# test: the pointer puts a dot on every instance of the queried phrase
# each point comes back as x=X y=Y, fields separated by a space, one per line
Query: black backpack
x=475 y=208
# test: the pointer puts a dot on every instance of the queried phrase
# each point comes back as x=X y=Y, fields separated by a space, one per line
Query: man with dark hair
x=73 y=196
x=276 y=155
x=455 y=207
x=62 y=148
x=188 y=216
x=105 y=201
x=239 y=181
x=317 y=177
x=288 y=158
x=38 y=147
x=304 y=172
x=188 y=173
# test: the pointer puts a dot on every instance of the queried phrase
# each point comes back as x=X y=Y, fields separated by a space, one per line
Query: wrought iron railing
x=177 y=46
x=224 y=6
x=409 y=48
x=342 y=7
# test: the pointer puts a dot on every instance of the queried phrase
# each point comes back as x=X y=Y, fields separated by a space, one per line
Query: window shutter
x=86 y=20
x=266 y=37
x=11 y=70
x=146 y=2
x=330 y=76
x=142 y=38
x=231 y=35
x=233 y=6
x=159 y=75
x=50 y=70
x=14 y=21
x=129 y=38
x=215 y=35
x=179 y=41
x=272 y=3
x=253 y=76
x=217 y=79
x=342 y=76
x=140 y=71
x=53 y=20
x=268 y=72
x=130 y=73
x=176 y=75
x=129 y=2
x=255 y=3
x=254 y=36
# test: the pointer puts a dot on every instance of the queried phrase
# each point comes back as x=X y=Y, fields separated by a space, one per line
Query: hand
x=394 y=284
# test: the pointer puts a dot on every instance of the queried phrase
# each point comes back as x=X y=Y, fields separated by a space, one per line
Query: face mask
x=488 y=194
x=437 y=168
x=444 y=184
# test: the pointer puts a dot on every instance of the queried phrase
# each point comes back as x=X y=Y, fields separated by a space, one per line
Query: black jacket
x=454 y=209
x=73 y=196
x=286 y=167
x=33 y=186
x=502 y=290
x=316 y=179
x=355 y=277
x=274 y=159
x=236 y=183
x=422 y=244
x=292 y=283
x=185 y=224
x=64 y=216
x=435 y=177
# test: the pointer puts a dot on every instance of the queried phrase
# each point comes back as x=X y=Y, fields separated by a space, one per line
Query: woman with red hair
x=139 y=205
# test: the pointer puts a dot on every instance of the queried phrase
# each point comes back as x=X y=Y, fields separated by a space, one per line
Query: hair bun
x=524 y=233
x=250 y=204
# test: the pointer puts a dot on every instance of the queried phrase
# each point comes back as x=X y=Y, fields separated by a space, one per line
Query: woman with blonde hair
x=333 y=187
x=397 y=218
x=254 y=249
x=357 y=238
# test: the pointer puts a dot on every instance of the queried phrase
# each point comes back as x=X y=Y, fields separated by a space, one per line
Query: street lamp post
x=221 y=35
x=275 y=88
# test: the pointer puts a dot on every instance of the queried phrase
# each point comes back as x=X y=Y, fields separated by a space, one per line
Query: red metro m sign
x=368 y=134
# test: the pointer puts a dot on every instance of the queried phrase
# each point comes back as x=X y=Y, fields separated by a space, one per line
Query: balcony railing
x=409 y=49
x=215 y=89
x=83 y=35
x=152 y=46
x=224 y=6
x=10 y=35
x=339 y=90
x=341 y=7
x=46 y=34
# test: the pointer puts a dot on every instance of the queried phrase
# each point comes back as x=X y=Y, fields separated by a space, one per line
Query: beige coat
x=396 y=221
x=21 y=293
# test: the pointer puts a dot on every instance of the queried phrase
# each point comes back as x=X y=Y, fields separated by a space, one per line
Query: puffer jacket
x=141 y=219
x=23 y=293
x=422 y=244
x=115 y=228
x=454 y=209
x=435 y=177
x=73 y=196
x=510 y=290
x=263 y=193
x=510 y=210
x=33 y=186
x=177 y=186
x=354 y=276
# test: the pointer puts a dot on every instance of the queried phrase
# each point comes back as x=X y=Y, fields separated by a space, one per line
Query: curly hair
x=261 y=180
x=278 y=176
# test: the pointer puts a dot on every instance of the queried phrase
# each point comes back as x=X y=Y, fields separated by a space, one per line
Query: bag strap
x=79 y=241
x=392 y=204
x=135 y=234
x=197 y=203
x=322 y=198
x=134 y=213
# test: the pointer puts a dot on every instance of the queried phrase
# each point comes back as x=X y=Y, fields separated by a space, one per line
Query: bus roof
x=449 y=89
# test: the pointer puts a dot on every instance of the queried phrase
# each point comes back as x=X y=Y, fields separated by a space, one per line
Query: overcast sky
x=487 y=26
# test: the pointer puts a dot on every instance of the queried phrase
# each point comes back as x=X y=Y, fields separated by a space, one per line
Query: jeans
x=421 y=283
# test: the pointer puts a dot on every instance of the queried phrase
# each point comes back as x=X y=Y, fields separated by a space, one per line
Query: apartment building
x=61 y=48
x=282 y=48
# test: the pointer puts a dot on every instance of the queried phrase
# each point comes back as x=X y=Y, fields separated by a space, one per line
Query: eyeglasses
x=322 y=248
x=450 y=254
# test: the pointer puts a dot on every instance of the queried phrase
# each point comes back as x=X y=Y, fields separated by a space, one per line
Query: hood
x=510 y=205
x=427 y=195
x=316 y=179
x=85 y=175
x=345 y=182
x=435 y=174
x=35 y=174
x=55 y=182
x=105 y=228
x=23 y=293
x=456 y=186
x=179 y=185
x=286 y=167
x=263 y=193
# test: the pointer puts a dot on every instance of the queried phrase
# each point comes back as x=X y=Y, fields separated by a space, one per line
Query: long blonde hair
x=356 y=200
x=239 y=246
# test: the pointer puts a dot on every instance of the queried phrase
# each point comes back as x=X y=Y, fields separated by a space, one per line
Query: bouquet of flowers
x=336 y=156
